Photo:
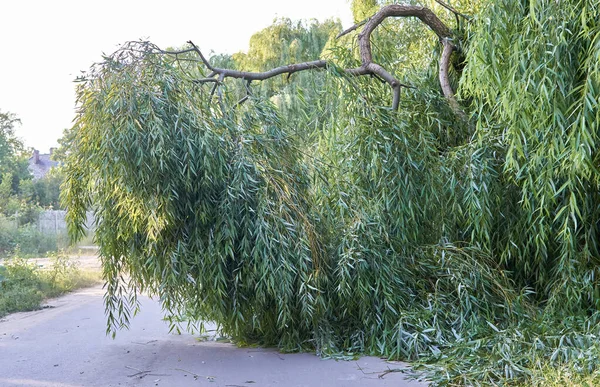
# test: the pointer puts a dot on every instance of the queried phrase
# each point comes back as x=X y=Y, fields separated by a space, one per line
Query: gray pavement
x=65 y=346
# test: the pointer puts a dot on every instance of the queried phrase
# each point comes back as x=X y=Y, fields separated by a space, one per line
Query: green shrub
x=64 y=275
x=20 y=298
x=20 y=287
x=26 y=239
x=23 y=286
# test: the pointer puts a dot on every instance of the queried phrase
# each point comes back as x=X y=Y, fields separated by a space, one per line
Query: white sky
x=45 y=44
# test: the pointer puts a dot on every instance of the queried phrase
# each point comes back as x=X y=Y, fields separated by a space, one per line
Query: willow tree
x=372 y=209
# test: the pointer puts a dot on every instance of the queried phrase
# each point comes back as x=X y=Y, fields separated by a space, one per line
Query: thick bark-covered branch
x=396 y=10
x=289 y=69
x=445 y=79
x=368 y=66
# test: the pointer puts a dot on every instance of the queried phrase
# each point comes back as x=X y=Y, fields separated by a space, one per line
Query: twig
x=212 y=92
x=390 y=371
x=195 y=374
x=135 y=369
x=365 y=373
x=146 y=343
x=242 y=100
x=274 y=353
x=176 y=52
x=353 y=28
x=378 y=78
x=380 y=374
x=451 y=9
x=205 y=80
x=195 y=48
x=140 y=372
x=220 y=92
x=189 y=372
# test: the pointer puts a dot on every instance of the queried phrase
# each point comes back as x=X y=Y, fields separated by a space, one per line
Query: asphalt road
x=65 y=346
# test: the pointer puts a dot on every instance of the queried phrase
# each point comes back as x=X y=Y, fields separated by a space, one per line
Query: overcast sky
x=45 y=44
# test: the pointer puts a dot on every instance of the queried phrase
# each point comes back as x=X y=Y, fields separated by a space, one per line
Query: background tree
x=10 y=146
x=12 y=152
x=13 y=164
x=363 y=9
x=44 y=192
x=21 y=198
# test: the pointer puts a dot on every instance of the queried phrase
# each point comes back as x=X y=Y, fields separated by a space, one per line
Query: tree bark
x=368 y=66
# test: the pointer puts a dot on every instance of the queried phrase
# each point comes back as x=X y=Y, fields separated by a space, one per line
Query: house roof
x=43 y=165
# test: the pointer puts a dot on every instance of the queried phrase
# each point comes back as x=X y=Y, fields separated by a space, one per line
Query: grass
x=24 y=286
x=563 y=376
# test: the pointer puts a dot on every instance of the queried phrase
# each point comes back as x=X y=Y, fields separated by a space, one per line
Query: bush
x=27 y=240
x=20 y=298
x=23 y=286
x=19 y=285
x=64 y=276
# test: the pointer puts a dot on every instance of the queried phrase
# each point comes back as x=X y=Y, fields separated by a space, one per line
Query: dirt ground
x=65 y=345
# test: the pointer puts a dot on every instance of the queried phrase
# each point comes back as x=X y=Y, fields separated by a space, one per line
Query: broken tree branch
x=289 y=69
x=368 y=66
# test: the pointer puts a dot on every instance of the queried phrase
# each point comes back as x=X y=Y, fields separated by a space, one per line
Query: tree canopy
x=13 y=164
x=11 y=147
x=317 y=210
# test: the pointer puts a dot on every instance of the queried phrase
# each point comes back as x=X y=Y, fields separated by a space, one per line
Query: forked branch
x=368 y=66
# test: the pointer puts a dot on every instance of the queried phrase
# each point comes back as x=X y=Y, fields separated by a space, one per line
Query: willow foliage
x=314 y=217
x=534 y=71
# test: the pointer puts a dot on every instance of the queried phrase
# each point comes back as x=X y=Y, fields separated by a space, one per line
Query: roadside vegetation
x=27 y=240
x=24 y=286
x=22 y=197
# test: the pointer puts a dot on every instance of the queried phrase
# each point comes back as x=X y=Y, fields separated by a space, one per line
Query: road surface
x=65 y=345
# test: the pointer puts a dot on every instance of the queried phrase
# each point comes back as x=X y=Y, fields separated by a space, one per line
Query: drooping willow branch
x=368 y=66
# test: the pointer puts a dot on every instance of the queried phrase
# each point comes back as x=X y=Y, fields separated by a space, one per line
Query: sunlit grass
x=562 y=377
